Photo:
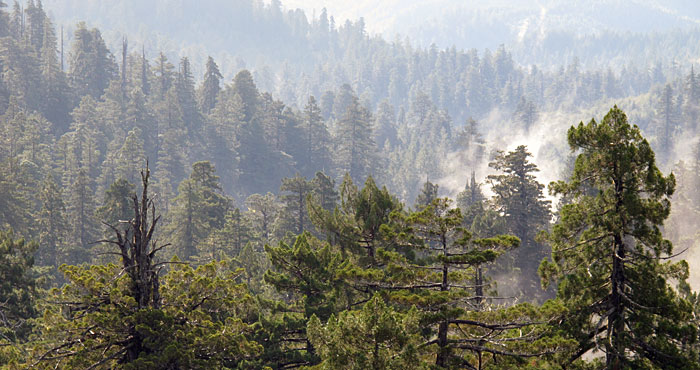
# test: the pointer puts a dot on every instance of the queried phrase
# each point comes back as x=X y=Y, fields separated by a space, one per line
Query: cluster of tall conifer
x=262 y=236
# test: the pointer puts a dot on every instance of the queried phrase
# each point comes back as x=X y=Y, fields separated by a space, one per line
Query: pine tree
x=140 y=318
x=305 y=273
x=58 y=100
x=520 y=199
x=230 y=240
x=609 y=253
x=293 y=216
x=172 y=135
x=375 y=337
x=15 y=206
x=244 y=86
x=525 y=114
x=35 y=19
x=666 y=122
x=80 y=211
x=164 y=76
x=324 y=192
x=200 y=208
x=130 y=157
x=224 y=124
x=263 y=210
x=53 y=226
x=355 y=224
x=355 y=147
x=316 y=154
x=211 y=85
x=427 y=195
x=430 y=263
x=18 y=291
x=139 y=115
x=385 y=125
x=117 y=206
x=184 y=86
x=91 y=64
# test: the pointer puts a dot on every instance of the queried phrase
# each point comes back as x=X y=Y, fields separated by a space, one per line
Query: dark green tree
x=244 y=86
x=18 y=291
x=117 y=206
x=611 y=258
x=263 y=211
x=520 y=199
x=305 y=273
x=132 y=316
x=200 y=208
x=294 y=214
x=667 y=122
x=356 y=150
x=91 y=64
x=211 y=85
x=53 y=225
x=375 y=337
x=316 y=139
x=428 y=193
x=80 y=211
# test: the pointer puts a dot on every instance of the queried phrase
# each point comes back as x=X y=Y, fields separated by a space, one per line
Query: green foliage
x=375 y=337
x=109 y=315
x=91 y=64
x=427 y=195
x=18 y=292
x=386 y=288
x=610 y=255
x=305 y=274
x=294 y=214
x=356 y=151
x=198 y=326
x=200 y=209
x=520 y=199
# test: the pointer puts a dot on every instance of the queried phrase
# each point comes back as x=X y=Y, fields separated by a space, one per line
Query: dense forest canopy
x=337 y=200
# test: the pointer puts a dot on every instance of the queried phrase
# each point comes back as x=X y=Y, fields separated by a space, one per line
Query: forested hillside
x=346 y=202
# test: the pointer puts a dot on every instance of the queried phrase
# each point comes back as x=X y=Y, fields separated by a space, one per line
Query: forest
x=377 y=206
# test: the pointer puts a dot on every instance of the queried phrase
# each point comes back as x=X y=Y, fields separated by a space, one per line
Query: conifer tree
x=91 y=64
x=53 y=225
x=610 y=256
x=520 y=199
x=224 y=125
x=164 y=76
x=80 y=210
x=355 y=147
x=471 y=195
x=324 y=191
x=244 y=86
x=116 y=206
x=58 y=100
x=17 y=291
x=375 y=337
x=137 y=317
x=428 y=193
x=316 y=153
x=200 y=208
x=263 y=210
x=210 y=87
x=355 y=224
x=305 y=272
x=293 y=216
x=184 y=84
x=666 y=122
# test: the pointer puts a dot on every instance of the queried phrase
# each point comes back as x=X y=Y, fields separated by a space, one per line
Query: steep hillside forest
x=355 y=203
